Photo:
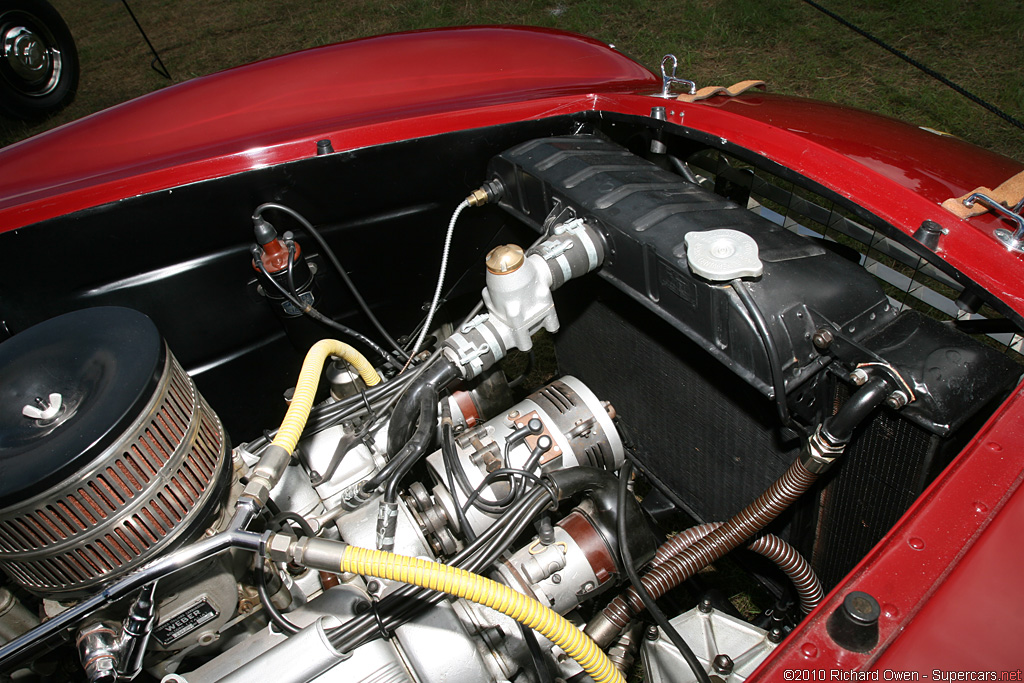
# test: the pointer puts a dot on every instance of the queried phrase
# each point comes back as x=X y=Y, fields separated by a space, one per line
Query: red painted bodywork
x=947 y=574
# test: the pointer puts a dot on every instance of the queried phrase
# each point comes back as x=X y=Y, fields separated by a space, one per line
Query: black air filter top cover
x=104 y=363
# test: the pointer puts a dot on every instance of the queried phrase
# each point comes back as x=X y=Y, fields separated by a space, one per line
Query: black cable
x=918 y=65
x=162 y=69
x=290 y=272
x=543 y=674
x=316 y=315
x=772 y=351
x=281 y=621
x=503 y=504
x=450 y=460
x=299 y=520
x=315 y=234
x=652 y=607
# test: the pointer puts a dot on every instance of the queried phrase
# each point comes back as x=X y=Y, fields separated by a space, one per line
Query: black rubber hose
x=601 y=486
x=281 y=621
x=415 y=448
x=299 y=520
x=434 y=379
x=450 y=463
x=623 y=503
x=684 y=170
x=839 y=428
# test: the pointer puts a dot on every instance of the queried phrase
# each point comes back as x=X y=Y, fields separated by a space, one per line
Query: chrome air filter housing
x=108 y=454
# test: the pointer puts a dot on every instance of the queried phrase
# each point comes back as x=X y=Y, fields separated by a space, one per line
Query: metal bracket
x=668 y=80
x=1013 y=240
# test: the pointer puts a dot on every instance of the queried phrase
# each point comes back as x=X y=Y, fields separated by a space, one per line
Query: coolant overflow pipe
x=334 y=556
x=819 y=453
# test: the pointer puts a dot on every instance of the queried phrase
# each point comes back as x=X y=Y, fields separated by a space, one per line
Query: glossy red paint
x=392 y=88
x=947 y=576
x=273 y=111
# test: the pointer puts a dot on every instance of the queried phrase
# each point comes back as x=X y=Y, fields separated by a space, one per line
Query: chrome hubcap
x=31 y=59
x=26 y=54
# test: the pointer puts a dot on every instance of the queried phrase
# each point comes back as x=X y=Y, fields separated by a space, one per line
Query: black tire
x=38 y=60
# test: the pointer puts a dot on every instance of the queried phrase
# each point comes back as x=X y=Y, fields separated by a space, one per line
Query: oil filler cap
x=722 y=255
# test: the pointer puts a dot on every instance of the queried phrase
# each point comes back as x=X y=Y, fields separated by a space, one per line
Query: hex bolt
x=897 y=399
x=859 y=377
x=722 y=664
x=775 y=635
x=705 y=605
x=652 y=632
x=823 y=338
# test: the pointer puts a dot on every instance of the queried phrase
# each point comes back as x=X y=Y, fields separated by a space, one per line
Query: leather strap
x=1009 y=193
x=731 y=91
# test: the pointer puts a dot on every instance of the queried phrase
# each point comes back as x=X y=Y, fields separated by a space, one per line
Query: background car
x=39 y=69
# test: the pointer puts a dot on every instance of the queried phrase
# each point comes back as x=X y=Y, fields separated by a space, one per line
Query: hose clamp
x=578 y=229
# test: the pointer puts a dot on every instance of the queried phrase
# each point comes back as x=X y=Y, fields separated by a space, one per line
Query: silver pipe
x=15 y=619
x=300 y=658
x=38 y=639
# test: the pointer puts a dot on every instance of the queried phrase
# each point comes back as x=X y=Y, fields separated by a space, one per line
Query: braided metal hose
x=769 y=546
x=676 y=569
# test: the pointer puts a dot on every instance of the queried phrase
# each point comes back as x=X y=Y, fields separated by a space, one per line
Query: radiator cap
x=722 y=255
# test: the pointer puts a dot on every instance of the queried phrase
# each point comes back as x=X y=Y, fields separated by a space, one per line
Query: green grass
x=785 y=42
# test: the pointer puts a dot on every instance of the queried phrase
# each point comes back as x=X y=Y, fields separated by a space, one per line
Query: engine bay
x=622 y=377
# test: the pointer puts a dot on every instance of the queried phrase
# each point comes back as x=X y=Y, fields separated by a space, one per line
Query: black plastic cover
x=644 y=213
x=104 y=362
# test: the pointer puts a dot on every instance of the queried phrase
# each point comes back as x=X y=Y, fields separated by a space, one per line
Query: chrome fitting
x=97 y=649
x=279 y=547
x=267 y=473
x=820 y=453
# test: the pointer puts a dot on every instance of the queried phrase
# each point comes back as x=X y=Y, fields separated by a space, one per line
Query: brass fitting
x=504 y=259
x=477 y=197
